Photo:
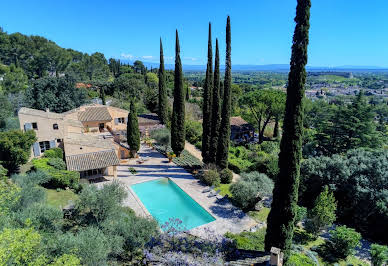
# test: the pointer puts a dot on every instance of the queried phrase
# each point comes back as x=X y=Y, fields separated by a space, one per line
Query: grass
x=60 y=198
x=260 y=216
x=224 y=190
x=249 y=240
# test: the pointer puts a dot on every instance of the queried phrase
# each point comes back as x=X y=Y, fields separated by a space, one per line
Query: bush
x=342 y=243
x=198 y=145
x=248 y=190
x=57 y=178
x=301 y=213
x=162 y=136
x=249 y=240
x=299 y=259
x=379 y=254
x=193 y=131
x=54 y=153
x=226 y=176
x=210 y=177
x=57 y=163
x=267 y=164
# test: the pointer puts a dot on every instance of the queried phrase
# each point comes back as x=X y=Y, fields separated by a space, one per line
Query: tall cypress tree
x=178 y=112
x=285 y=195
x=133 y=133
x=224 y=132
x=102 y=94
x=216 y=109
x=207 y=101
x=163 y=104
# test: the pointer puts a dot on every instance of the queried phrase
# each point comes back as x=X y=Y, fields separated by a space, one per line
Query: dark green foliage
x=224 y=134
x=285 y=196
x=54 y=153
x=210 y=177
x=133 y=133
x=102 y=95
x=379 y=254
x=178 y=113
x=162 y=137
x=163 y=103
x=15 y=148
x=6 y=111
x=226 y=176
x=250 y=188
x=207 y=102
x=342 y=243
x=359 y=180
x=301 y=213
x=57 y=94
x=216 y=109
x=58 y=177
x=348 y=127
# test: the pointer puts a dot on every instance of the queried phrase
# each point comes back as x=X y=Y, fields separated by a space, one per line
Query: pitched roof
x=44 y=114
x=93 y=160
x=237 y=123
x=95 y=114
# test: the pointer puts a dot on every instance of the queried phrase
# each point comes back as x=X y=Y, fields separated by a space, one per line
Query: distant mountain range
x=271 y=67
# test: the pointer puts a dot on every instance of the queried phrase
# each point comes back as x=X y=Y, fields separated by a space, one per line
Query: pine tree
x=207 y=100
x=163 y=104
x=133 y=133
x=178 y=112
x=285 y=195
x=216 y=109
x=224 y=132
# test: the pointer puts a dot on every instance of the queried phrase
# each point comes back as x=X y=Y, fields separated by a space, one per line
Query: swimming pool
x=164 y=199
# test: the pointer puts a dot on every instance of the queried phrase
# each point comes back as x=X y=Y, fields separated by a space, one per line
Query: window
x=121 y=120
x=44 y=146
x=35 y=126
x=59 y=140
x=55 y=126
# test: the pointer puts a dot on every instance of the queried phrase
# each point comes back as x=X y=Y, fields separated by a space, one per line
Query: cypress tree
x=285 y=195
x=102 y=95
x=224 y=132
x=207 y=99
x=133 y=133
x=216 y=109
x=163 y=111
x=178 y=111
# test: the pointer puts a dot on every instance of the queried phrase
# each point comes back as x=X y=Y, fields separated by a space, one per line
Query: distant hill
x=270 y=67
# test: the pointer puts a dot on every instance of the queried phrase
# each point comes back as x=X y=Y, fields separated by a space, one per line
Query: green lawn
x=61 y=198
x=260 y=216
x=224 y=190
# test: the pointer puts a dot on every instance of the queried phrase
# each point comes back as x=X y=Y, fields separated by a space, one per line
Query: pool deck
x=228 y=217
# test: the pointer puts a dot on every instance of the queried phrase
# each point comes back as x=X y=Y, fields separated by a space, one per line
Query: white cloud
x=190 y=58
x=127 y=56
x=147 y=57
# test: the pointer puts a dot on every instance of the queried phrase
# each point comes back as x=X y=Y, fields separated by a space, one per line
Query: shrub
x=162 y=136
x=210 y=177
x=248 y=190
x=299 y=259
x=54 y=153
x=226 y=176
x=57 y=178
x=193 y=131
x=301 y=213
x=342 y=243
x=323 y=213
x=379 y=254
x=198 y=145
x=249 y=240
x=57 y=163
x=267 y=164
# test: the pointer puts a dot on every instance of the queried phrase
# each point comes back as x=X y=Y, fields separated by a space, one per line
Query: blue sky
x=343 y=32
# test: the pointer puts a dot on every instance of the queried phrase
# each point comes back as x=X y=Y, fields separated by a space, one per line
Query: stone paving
x=228 y=218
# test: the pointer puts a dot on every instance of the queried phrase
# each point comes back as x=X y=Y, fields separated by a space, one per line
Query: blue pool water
x=164 y=200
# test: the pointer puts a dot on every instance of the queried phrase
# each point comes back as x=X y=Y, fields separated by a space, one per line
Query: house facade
x=83 y=133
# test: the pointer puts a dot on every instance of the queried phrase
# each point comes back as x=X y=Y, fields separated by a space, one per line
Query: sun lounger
x=208 y=189
x=213 y=194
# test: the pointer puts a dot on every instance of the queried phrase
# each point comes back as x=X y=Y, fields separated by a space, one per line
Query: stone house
x=83 y=133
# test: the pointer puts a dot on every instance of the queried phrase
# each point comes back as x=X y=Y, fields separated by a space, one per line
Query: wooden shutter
x=27 y=126
x=36 y=149
x=52 y=144
x=116 y=121
x=126 y=120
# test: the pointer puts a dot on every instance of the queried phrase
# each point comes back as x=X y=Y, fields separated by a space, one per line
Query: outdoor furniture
x=208 y=189
x=213 y=194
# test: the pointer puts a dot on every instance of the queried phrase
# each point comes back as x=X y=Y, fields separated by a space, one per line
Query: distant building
x=240 y=129
x=331 y=73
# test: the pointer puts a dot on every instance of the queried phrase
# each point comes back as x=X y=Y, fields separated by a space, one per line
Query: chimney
x=47 y=110
x=276 y=257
